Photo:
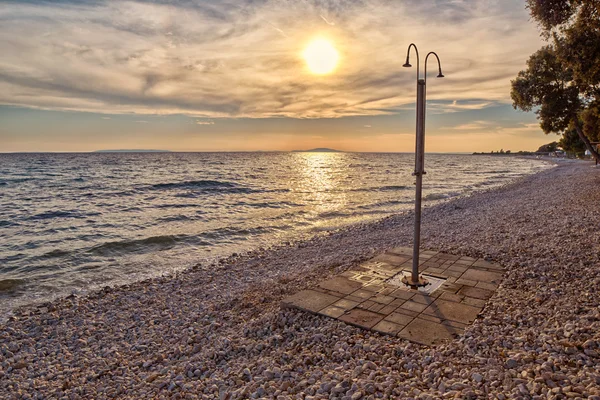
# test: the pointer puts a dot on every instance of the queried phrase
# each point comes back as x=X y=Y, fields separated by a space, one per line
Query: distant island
x=132 y=151
x=318 y=150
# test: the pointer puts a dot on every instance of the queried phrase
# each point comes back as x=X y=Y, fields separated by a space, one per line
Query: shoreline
x=217 y=330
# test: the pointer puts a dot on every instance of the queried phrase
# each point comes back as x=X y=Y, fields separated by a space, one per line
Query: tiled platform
x=365 y=297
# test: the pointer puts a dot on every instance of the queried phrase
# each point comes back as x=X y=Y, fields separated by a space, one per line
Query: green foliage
x=548 y=148
x=562 y=79
x=571 y=142
x=548 y=85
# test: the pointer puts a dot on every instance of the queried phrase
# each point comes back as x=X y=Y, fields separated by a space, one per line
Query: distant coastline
x=132 y=151
x=318 y=150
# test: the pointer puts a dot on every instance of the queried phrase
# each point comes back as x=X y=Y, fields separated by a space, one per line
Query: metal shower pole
x=415 y=280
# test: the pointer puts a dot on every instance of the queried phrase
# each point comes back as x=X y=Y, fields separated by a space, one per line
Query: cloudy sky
x=207 y=75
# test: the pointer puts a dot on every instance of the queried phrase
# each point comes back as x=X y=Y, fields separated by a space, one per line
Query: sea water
x=76 y=222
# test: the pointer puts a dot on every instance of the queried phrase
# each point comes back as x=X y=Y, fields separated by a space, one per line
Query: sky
x=206 y=75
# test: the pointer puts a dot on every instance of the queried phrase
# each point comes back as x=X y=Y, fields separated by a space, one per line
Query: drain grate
x=434 y=282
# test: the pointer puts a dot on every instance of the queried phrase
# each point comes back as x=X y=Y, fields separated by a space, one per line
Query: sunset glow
x=321 y=56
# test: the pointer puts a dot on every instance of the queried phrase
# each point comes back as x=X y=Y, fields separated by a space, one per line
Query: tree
x=570 y=142
x=562 y=79
x=548 y=148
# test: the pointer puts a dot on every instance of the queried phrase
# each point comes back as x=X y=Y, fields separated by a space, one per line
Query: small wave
x=203 y=184
x=228 y=232
x=384 y=204
x=55 y=253
x=440 y=196
x=56 y=214
x=151 y=243
x=10 y=285
x=8 y=223
x=392 y=188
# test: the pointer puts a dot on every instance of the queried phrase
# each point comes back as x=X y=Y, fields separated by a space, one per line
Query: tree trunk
x=585 y=140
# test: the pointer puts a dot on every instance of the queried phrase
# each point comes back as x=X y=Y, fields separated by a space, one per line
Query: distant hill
x=132 y=151
x=318 y=150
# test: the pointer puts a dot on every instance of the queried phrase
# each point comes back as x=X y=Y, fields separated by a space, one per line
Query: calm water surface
x=74 y=222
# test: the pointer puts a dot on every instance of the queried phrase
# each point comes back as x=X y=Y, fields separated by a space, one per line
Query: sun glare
x=321 y=56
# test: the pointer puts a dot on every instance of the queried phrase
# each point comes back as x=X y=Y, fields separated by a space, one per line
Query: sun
x=321 y=56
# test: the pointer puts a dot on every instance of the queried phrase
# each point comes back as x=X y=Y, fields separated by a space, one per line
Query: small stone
x=511 y=363
x=477 y=377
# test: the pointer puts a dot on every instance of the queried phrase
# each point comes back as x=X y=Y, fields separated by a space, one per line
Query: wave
x=55 y=253
x=388 y=188
x=8 y=223
x=152 y=243
x=440 y=196
x=57 y=214
x=202 y=184
x=10 y=285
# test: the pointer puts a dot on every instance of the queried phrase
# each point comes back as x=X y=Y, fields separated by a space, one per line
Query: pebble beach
x=216 y=331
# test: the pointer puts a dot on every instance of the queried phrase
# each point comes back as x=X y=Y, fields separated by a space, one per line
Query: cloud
x=366 y=126
x=205 y=122
x=141 y=122
x=230 y=58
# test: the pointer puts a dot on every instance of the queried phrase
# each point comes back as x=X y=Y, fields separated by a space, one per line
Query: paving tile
x=476 y=292
x=402 y=294
x=455 y=324
x=373 y=288
x=366 y=304
x=404 y=311
x=457 y=268
x=363 y=294
x=436 y=271
x=413 y=306
x=391 y=258
x=455 y=274
x=341 y=285
x=483 y=276
x=403 y=251
x=451 y=287
x=397 y=302
x=467 y=282
x=388 y=309
x=474 y=302
x=332 y=311
x=399 y=318
x=486 y=285
x=452 y=297
x=310 y=300
x=362 y=318
x=346 y=304
x=388 y=327
x=354 y=298
x=422 y=298
x=431 y=318
x=364 y=297
x=428 y=333
x=450 y=310
x=376 y=307
x=383 y=299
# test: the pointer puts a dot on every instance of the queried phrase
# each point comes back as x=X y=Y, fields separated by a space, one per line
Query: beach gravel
x=217 y=331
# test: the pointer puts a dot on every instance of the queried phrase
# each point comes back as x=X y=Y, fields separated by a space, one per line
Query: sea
x=71 y=223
